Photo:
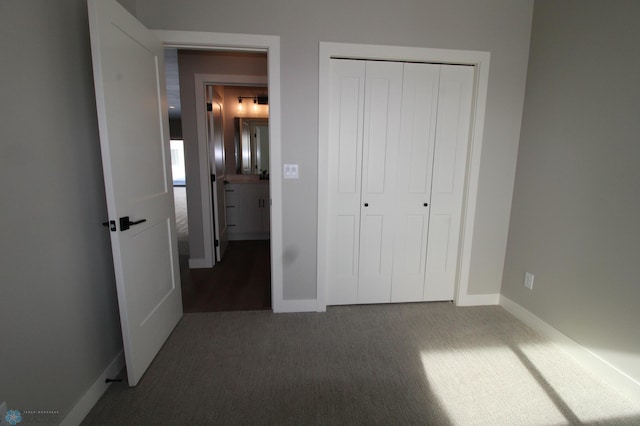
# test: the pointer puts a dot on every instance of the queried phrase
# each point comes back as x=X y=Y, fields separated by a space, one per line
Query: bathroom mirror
x=252 y=146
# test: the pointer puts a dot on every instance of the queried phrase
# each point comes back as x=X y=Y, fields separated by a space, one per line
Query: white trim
x=478 y=299
x=199 y=81
x=619 y=380
x=480 y=61
x=205 y=169
x=306 y=305
x=93 y=394
x=271 y=45
x=199 y=263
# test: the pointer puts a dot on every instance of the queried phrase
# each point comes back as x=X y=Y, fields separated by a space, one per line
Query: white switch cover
x=528 y=280
x=291 y=171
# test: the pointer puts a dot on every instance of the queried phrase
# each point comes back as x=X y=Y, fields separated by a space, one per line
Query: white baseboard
x=622 y=382
x=91 y=397
x=478 y=300
x=199 y=263
x=306 y=305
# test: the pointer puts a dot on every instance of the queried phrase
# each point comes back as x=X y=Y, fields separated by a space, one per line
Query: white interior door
x=345 y=180
x=378 y=211
x=134 y=137
x=449 y=172
x=413 y=189
x=399 y=136
x=215 y=134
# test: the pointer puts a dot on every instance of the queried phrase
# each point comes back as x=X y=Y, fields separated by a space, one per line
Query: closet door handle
x=426 y=204
x=366 y=204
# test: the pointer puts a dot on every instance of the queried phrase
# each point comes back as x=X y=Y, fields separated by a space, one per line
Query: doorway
x=271 y=46
x=239 y=277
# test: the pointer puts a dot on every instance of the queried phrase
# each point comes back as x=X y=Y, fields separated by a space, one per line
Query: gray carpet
x=427 y=363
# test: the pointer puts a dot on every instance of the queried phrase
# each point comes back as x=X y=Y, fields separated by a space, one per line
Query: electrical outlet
x=528 y=280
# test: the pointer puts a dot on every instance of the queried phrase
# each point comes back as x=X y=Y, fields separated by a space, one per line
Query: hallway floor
x=240 y=282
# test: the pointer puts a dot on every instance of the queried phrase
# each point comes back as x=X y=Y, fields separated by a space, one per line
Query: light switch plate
x=290 y=171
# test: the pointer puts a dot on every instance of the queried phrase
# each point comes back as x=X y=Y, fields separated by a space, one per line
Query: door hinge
x=209 y=106
x=213 y=177
x=111 y=225
x=216 y=243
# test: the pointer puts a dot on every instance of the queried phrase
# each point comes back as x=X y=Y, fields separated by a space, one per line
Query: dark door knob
x=426 y=204
x=366 y=204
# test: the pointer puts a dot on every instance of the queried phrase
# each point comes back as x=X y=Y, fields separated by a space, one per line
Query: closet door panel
x=383 y=94
x=345 y=163
x=449 y=171
x=413 y=193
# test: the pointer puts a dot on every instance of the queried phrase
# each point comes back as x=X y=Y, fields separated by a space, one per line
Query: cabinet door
x=383 y=95
x=250 y=212
x=413 y=189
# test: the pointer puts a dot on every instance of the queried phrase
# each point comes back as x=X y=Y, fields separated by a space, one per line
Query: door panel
x=374 y=282
x=450 y=160
x=133 y=123
x=378 y=210
x=415 y=159
x=378 y=111
x=345 y=162
x=345 y=260
x=140 y=74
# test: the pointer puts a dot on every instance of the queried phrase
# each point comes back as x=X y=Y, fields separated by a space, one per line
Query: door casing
x=480 y=61
x=254 y=43
x=200 y=80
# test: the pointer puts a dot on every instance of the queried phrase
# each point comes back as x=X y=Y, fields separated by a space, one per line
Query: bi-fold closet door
x=397 y=158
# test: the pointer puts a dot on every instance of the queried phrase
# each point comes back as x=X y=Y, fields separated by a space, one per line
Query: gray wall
x=499 y=26
x=576 y=203
x=191 y=62
x=58 y=310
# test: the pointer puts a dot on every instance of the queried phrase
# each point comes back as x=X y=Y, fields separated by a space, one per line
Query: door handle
x=426 y=204
x=125 y=223
x=366 y=204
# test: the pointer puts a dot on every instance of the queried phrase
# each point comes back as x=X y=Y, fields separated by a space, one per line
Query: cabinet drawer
x=231 y=195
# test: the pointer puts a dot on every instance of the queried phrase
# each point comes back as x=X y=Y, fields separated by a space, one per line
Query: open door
x=128 y=67
x=215 y=135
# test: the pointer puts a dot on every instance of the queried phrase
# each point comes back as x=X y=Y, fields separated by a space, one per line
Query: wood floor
x=241 y=282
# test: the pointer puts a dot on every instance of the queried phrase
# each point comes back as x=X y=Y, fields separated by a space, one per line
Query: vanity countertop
x=245 y=179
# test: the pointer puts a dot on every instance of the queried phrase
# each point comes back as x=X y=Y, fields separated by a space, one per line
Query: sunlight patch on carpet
x=519 y=384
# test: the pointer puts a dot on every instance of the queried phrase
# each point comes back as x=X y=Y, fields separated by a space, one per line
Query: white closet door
x=449 y=170
x=383 y=95
x=345 y=164
x=415 y=160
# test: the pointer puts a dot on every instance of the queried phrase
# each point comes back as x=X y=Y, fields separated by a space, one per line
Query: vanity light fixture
x=258 y=99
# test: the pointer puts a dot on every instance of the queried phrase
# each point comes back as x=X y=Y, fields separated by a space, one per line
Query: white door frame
x=480 y=61
x=256 y=43
x=203 y=153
